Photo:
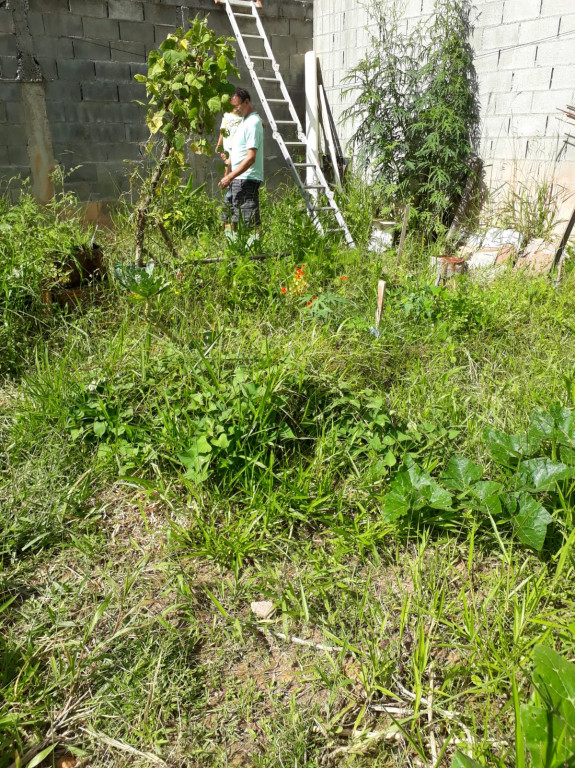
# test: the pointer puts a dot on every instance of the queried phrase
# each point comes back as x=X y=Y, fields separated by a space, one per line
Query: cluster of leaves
x=459 y=306
x=416 y=108
x=34 y=239
x=531 y=477
x=187 y=86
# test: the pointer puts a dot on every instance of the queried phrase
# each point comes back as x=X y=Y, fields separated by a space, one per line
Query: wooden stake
x=380 y=300
x=403 y=231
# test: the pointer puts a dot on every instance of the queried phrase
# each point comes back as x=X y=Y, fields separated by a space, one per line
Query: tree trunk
x=145 y=204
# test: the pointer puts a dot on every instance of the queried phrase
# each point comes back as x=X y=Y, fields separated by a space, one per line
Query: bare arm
x=246 y=163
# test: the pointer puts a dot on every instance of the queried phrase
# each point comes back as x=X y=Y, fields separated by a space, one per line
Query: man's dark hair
x=242 y=94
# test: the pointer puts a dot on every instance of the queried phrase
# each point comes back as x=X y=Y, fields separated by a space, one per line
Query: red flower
x=309 y=303
x=303 y=266
x=313 y=298
x=179 y=275
x=284 y=289
x=344 y=277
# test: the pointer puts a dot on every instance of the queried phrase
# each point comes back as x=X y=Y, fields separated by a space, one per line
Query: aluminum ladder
x=311 y=193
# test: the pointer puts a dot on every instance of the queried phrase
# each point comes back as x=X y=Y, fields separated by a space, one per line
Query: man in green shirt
x=247 y=162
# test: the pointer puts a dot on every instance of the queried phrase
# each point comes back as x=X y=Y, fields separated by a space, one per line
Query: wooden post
x=403 y=231
x=380 y=300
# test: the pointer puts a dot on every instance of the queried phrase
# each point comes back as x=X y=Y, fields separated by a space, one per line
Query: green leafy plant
x=187 y=85
x=416 y=109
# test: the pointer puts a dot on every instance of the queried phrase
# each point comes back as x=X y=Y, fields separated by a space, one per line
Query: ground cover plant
x=238 y=528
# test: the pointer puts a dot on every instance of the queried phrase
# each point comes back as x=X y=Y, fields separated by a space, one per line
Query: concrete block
x=75 y=70
x=47 y=67
x=163 y=14
x=123 y=50
x=106 y=133
x=547 y=102
x=92 y=50
x=86 y=172
x=137 y=132
x=101 y=29
x=56 y=111
x=556 y=7
x=8 y=45
x=556 y=52
x=133 y=113
x=528 y=126
x=300 y=28
x=138 y=69
x=11 y=135
x=8 y=67
x=517 y=58
x=161 y=33
x=62 y=25
x=99 y=91
x=564 y=77
x=122 y=151
x=132 y=92
x=6 y=22
x=11 y=91
x=532 y=79
x=113 y=70
x=94 y=112
x=499 y=37
x=96 y=8
x=294 y=10
x=521 y=10
x=67 y=133
x=516 y=103
x=536 y=29
x=49 y=6
x=62 y=90
x=490 y=14
x=58 y=47
x=136 y=32
x=126 y=10
x=3 y=116
x=14 y=157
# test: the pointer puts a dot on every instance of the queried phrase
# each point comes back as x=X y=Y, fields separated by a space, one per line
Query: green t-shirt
x=249 y=135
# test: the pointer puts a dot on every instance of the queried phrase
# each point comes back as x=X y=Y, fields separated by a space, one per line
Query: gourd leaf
x=541 y=474
x=550 y=729
x=460 y=473
x=529 y=521
x=507 y=449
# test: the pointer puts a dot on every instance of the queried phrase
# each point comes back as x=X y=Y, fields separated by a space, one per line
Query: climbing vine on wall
x=416 y=112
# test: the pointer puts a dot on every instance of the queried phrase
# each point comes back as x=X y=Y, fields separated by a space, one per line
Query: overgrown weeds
x=237 y=434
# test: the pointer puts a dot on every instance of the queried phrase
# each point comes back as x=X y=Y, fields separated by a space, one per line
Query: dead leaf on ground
x=262 y=609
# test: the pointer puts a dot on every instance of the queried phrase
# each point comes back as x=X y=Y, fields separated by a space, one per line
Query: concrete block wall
x=525 y=63
x=85 y=54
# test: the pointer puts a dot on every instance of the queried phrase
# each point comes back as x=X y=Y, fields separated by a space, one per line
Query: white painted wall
x=525 y=62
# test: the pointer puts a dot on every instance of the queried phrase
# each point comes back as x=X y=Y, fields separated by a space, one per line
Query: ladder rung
x=245 y=15
x=286 y=122
x=254 y=37
x=322 y=208
x=277 y=101
x=305 y=165
x=337 y=229
x=269 y=80
x=314 y=186
x=261 y=58
x=243 y=3
x=293 y=143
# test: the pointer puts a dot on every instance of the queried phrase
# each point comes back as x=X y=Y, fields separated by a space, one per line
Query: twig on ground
x=124 y=747
x=299 y=641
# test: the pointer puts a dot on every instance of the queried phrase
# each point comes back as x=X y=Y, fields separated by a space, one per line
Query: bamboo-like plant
x=187 y=86
x=416 y=112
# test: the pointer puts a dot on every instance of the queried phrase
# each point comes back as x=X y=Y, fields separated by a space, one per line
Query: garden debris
x=76 y=277
x=262 y=609
x=381 y=236
x=493 y=248
x=537 y=258
x=447 y=266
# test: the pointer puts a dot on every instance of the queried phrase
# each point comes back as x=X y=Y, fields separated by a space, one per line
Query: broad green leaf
x=222 y=62
x=565 y=424
x=460 y=473
x=541 y=424
x=99 y=428
x=222 y=441
x=546 y=737
x=508 y=449
x=463 y=761
x=486 y=488
x=174 y=57
x=554 y=678
x=541 y=474
x=215 y=104
x=396 y=505
x=530 y=521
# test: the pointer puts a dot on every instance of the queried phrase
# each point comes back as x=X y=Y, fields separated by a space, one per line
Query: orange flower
x=344 y=277
x=309 y=303
x=313 y=298
x=284 y=289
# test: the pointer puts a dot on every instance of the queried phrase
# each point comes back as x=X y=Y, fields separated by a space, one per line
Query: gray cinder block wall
x=67 y=88
x=525 y=62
